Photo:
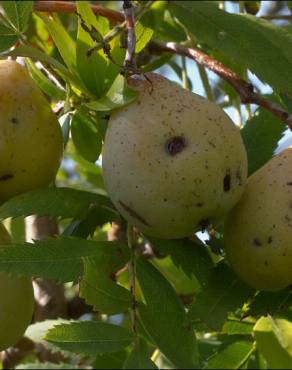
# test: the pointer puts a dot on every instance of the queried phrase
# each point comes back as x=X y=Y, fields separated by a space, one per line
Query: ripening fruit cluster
x=30 y=151
x=174 y=162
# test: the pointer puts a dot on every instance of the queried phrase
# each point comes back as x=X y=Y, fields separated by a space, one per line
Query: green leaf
x=47 y=86
x=270 y=303
x=90 y=337
x=63 y=41
x=96 y=216
x=274 y=340
x=192 y=257
x=85 y=135
x=263 y=47
x=31 y=52
x=18 y=12
x=164 y=318
x=224 y=294
x=92 y=67
x=100 y=291
x=139 y=357
x=143 y=36
x=110 y=360
x=231 y=357
x=53 y=202
x=260 y=136
x=57 y=258
x=237 y=328
x=118 y=96
x=46 y=365
x=7 y=38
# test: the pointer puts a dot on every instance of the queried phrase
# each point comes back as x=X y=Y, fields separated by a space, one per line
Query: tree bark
x=49 y=295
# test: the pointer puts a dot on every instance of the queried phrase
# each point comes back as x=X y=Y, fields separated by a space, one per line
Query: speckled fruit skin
x=258 y=231
x=172 y=160
x=16 y=303
x=30 y=136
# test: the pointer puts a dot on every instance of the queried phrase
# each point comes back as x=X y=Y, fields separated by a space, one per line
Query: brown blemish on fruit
x=14 y=120
x=289 y=183
x=257 y=242
x=227 y=182
x=175 y=145
x=270 y=239
x=239 y=176
x=7 y=176
x=133 y=213
x=199 y=204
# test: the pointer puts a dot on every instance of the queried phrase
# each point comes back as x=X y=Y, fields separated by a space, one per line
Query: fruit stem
x=132 y=276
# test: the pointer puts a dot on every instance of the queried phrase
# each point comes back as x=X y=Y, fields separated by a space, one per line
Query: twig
x=244 y=89
x=70 y=7
x=132 y=277
x=129 y=62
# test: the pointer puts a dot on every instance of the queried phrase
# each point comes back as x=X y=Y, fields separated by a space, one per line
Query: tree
x=145 y=302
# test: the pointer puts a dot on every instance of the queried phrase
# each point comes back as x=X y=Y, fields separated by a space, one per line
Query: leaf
x=143 y=36
x=92 y=67
x=96 y=216
x=261 y=135
x=110 y=360
x=192 y=257
x=57 y=258
x=7 y=38
x=139 y=357
x=118 y=96
x=90 y=337
x=47 y=86
x=18 y=12
x=164 y=314
x=46 y=365
x=85 y=135
x=63 y=41
x=274 y=340
x=100 y=291
x=223 y=294
x=34 y=53
x=237 y=328
x=270 y=303
x=260 y=45
x=231 y=357
x=53 y=202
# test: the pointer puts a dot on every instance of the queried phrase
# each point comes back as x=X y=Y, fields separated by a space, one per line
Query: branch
x=70 y=7
x=244 y=89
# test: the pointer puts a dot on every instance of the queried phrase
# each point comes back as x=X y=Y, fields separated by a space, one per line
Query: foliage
x=221 y=323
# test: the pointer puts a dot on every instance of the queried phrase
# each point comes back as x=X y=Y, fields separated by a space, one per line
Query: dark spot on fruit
x=257 y=242
x=289 y=183
x=204 y=224
x=199 y=204
x=266 y=263
x=7 y=176
x=227 y=182
x=175 y=145
x=239 y=176
x=133 y=213
x=270 y=239
x=14 y=120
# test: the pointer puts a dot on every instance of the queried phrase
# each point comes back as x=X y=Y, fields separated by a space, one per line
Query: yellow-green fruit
x=172 y=160
x=30 y=135
x=16 y=303
x=258 y=231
